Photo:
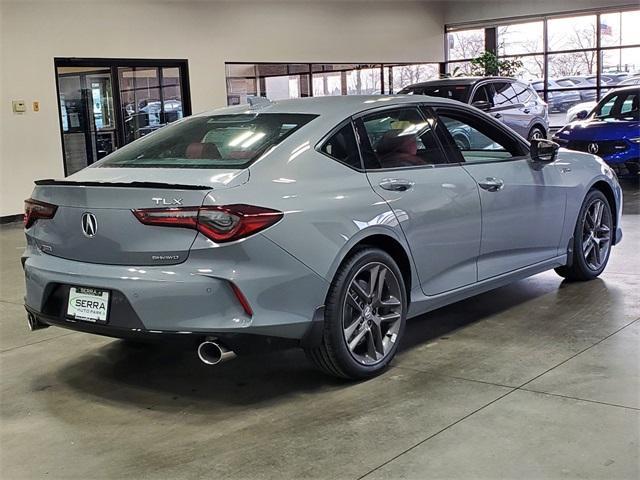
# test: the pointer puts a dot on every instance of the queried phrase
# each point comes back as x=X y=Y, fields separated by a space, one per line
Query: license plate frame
x=88 y=304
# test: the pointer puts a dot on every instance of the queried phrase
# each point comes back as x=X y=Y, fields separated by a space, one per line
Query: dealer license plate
x=88 y=304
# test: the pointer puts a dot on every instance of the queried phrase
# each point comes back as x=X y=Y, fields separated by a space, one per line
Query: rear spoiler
x=50 y=181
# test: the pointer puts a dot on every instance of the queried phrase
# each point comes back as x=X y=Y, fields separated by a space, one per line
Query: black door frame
x=87 y=118
x=113 y=64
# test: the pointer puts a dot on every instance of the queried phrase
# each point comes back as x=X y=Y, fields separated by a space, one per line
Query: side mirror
x=481 y=105
x=582 y=114
x=543 y=150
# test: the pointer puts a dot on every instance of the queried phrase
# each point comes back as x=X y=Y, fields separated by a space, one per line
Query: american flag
x=605 y=29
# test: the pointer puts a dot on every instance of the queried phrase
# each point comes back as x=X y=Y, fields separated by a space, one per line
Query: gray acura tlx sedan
x=322 y=223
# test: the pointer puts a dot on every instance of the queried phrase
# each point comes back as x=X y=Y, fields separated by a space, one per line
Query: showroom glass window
x=106 y=104
x=465 y=44
x=570 y=59
x=404 y=75
x=277 y=81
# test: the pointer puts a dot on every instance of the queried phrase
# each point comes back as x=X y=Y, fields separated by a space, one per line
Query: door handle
x=491 y=184
x=498 y=115
x=526 y=110
x=396 y=184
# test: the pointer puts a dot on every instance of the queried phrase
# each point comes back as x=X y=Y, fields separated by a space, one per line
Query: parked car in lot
x=558 y=100
x=323 y=223
x=614 y=78
x=580 y=111
x=581 y=82
x=611 y=130
x=514 y=103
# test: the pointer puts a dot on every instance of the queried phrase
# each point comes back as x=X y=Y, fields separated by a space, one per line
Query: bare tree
x=465 y=45
x=580 y=62
x=409 y=74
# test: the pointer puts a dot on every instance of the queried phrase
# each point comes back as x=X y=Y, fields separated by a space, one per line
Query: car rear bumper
x=240 y=343
x=196 y=297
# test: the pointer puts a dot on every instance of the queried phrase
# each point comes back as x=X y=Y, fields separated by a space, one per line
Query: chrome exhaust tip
x=212 y=353
x=34 y=323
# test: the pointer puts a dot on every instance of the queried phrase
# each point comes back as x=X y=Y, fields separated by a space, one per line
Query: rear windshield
x=453 y=92
x=217 y=141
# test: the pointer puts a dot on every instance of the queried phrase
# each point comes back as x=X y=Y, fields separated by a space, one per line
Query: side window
x=523 y=93
x=605 y=109
x=482 y=94
x=398 y=138
x=475 y=139
x=504 y=95
x=343 y=147
x=630 y=105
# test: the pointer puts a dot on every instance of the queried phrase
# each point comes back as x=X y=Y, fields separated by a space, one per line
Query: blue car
x=611 y=130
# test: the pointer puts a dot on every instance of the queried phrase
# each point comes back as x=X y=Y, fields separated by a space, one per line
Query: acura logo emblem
x=593 y=148
x=89 y=224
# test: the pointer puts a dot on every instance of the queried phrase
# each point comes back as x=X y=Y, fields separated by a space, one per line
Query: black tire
x=333 y=356
x=580 y=268
x=633 y=167
x=536 y=132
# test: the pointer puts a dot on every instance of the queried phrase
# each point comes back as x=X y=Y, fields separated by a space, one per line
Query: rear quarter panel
x=328 y=206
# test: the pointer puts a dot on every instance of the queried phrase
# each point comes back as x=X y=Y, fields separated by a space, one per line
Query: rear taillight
x=35 y=210
x=219 y=223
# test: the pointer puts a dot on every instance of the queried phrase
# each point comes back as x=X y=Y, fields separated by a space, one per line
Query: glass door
x=102 y=119
x=87 y=115
x=105 y=104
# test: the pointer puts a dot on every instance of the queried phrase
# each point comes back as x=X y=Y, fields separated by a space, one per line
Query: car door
x=531 y=107
x=436 y=203
x=523 y=202
x=508 y=108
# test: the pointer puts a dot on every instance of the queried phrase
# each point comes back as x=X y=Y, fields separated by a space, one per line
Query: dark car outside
x=559 y=99
x=581 y=82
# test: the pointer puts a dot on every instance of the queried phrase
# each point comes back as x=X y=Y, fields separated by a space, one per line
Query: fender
x=360 y=237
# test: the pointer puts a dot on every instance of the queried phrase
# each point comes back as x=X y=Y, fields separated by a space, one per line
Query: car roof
x=630 y=81
x=332 y=106
x=457 y=81
x=625 y=88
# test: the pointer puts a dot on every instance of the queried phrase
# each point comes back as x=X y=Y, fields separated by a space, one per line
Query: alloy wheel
x=372 y=313
x=596 y=234
x=536 y=135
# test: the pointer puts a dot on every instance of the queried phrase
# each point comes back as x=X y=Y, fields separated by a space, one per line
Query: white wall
x=207 y=33
x=463 y=11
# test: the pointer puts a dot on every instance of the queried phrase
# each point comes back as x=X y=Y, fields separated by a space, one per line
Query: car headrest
x=392 y=142
x=202 y=150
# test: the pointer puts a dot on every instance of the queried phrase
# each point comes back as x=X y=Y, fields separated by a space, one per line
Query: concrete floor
x=539 y=379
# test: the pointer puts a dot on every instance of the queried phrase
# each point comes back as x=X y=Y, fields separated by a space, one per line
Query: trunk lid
x=94 y=222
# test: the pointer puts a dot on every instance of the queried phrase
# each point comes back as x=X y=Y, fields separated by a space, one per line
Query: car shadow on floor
x=161 y=377
x=631 y=190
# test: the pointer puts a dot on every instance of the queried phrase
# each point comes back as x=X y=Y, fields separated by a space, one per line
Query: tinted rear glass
x=453 y=92
x=217 y=141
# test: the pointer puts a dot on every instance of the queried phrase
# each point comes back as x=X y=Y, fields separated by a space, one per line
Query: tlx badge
x=164 y=201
